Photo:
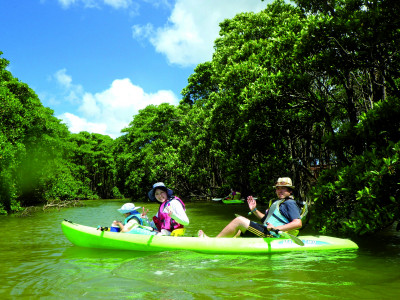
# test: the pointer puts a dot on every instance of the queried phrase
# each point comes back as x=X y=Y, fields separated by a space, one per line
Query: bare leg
x=236 y=225
x=233 y=229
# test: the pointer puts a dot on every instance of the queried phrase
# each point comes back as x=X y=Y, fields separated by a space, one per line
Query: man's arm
x=295 y=224
x=253 y=207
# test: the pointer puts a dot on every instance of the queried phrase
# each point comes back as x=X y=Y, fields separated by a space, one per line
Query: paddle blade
x=292 y=237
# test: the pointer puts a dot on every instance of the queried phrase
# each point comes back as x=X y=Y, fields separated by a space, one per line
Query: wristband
x=253 y=210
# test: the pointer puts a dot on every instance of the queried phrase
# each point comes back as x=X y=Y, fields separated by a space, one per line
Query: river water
x=38 y=262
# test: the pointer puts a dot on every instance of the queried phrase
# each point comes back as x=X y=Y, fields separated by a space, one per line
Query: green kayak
x=85 y=236
x=229 y=201
x=233 y=201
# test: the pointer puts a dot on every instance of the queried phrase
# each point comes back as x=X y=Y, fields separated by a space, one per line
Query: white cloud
x=74 y=91
x=140 y=32
x=77 y=124
x=87 y=3
x=62 y=78
x=188 y=37
x=118 y=3
x=160 y=3
x=66 y=3
x=110 y=111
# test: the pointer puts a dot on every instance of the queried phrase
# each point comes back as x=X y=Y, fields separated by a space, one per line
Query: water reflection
x=189 y=275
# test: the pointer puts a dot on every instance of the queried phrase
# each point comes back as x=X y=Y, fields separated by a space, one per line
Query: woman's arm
x=177 y=212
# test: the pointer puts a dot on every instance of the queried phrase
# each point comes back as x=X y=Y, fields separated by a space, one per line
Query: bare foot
x=201 y=234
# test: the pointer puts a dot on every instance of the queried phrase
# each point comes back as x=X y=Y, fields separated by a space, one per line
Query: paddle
x=290 y=236
x=295 y=239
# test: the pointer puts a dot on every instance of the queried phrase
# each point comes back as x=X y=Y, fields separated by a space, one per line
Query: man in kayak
x=283 y=215
x=135 y=222
x=171 y=216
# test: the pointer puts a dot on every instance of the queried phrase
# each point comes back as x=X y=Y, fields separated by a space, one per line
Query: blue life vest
x=138 y=229
x=275 y=217
x=135 y=216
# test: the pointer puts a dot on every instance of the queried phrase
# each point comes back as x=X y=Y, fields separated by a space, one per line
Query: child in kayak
x=283 y=216
x=135 y=222
x=171 y=216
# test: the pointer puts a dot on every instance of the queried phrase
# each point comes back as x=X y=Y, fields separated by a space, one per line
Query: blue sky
x=96 y=63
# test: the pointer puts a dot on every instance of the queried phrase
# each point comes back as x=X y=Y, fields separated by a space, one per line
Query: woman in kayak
x=171 y=216
x=284 y=215
x=135 y=222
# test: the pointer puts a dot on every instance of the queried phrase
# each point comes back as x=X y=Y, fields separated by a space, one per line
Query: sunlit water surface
x=37 y=261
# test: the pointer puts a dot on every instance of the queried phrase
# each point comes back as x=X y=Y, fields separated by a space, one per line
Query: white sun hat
x=128 y=207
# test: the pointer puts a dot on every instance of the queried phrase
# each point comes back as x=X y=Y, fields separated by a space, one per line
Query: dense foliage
x=40 y=160
x=309 y=91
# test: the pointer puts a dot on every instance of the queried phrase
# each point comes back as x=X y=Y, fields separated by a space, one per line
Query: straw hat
x=284 y=181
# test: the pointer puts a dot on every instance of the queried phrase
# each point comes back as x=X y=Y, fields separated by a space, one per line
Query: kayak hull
x=233 y=201
x=85 y=236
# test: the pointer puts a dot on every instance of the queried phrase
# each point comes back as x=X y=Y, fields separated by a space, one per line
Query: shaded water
x=37 y=261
